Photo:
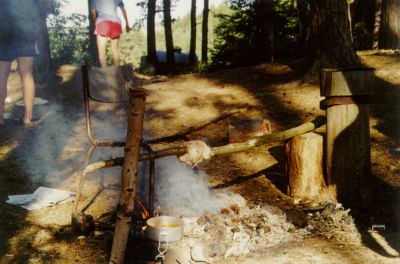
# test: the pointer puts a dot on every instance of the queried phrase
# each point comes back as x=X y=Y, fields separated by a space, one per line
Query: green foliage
x=241 y=37
x=236 y=40
x=286 y=24
x=133 y=47
x=181 y=31
x=69 y=38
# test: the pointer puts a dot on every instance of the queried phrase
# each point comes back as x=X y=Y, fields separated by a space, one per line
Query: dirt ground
x=51 y=154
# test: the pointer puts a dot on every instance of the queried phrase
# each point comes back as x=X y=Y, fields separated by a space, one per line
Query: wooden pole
x=304 y=169
x=260 y=140
x=222 y=150
x=129 y=175
x=348 y=137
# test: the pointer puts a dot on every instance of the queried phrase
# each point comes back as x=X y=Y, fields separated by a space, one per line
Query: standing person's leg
x=28 y=86
x=102 y=48
x=115 y=51
x=5 y=67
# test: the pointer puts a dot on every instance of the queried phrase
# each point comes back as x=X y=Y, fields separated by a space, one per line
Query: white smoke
x=182 y=191
x=58 y=145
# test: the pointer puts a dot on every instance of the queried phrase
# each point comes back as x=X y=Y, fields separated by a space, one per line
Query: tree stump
x=304 y=169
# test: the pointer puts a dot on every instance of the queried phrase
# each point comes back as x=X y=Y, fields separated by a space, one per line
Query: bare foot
x=26 y=121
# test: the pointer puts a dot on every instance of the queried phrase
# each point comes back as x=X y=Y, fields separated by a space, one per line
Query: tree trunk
x=390 y=25
x=331 y=34
x=347 y=125
x=129 y=175
x=93 y=53
x=264 y=13
x=204 y=30
x=193 y=27
x=350 y=16
x=304 y=170
x=42 y=62
x=151 y=33
x=168 y=36
x=377 y=24
x=303 y=9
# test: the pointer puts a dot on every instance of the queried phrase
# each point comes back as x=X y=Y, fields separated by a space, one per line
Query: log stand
x=348 y=135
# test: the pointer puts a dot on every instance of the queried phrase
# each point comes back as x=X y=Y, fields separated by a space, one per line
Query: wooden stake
x=129 y=175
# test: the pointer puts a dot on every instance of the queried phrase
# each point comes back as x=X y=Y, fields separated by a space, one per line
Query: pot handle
x=161 y=252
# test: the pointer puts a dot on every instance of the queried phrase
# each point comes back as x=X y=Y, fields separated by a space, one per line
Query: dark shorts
x=12 y=48
x=109 y=29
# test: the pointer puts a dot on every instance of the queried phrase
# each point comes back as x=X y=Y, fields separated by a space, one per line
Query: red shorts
x=110 y=29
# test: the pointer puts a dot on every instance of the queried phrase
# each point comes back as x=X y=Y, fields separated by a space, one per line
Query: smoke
x=182 y=191
x=55 y=150
x=51 y=148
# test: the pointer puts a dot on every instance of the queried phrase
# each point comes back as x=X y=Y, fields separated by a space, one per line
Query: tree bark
x=42 y=62
x=204 y=34
x=304 y=168
x=304 y=23
x=193 y=28
x=377 y=24
x=93 y=54
x=151 y=33
x=264 y=13
x=390 y=25
x=129 y=175
x=331 y=34
x=169 y=42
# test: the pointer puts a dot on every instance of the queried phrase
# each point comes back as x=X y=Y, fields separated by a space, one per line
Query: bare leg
x=4 y=73
x=28 y=86
x=102 y=48
x=115 y=51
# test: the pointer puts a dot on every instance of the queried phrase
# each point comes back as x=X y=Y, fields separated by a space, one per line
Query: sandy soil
x=52 y=153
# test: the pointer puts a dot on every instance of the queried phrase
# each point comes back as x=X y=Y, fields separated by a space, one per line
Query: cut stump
x=304 y=168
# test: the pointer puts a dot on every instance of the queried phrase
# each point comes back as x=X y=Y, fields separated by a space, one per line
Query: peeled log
x=304 y=169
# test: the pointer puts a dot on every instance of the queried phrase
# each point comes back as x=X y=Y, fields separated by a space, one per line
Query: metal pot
x=164 y=229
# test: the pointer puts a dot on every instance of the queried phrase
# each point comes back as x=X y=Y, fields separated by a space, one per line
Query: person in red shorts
x=108 y=27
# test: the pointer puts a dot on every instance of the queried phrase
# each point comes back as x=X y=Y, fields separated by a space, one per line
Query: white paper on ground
x=7 y=115
x=42 y=197
x=38 y=101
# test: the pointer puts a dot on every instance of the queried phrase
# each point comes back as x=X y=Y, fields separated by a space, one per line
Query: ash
x=236 y=230
x=240 y=229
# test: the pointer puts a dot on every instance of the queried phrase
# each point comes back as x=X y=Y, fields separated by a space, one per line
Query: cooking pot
x=164 y=229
